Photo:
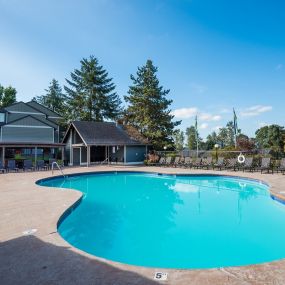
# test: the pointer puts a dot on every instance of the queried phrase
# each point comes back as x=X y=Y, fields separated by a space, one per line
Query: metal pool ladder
x=59 y=168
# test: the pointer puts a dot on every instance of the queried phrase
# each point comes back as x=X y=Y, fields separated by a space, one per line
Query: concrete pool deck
x=45 y=258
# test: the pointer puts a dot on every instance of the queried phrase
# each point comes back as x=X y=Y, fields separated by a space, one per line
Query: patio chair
x=188 y=162
x=28 y=165
x=2 y=168
x=231 y=164
x=176 y=161
x=265 y=165
x=207 y=162
x=160 y=162
x=168 y=161
x=41 y=165
x=219 y=164
x=248 y=164
x=12 y=165
x=281 y=167
x=197 y=163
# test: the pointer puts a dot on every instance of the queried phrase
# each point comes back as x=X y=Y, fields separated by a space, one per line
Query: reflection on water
x=179 y=222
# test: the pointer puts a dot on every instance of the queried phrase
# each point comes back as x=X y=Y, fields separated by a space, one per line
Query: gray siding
x=28 y=121
x=16 y=116
x=135 y=153
x=26 y=134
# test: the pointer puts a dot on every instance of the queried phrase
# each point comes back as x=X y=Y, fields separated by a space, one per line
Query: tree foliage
x=54 y=99
x=191 y=138
x=7 y=96
x=179 y=138
x=271 y=137
x=148 y=108
x=91 y=93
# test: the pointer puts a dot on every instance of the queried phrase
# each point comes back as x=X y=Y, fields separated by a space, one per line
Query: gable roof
x=22 y=107
x=41 y=108
x=29 y=120
x=102 y=133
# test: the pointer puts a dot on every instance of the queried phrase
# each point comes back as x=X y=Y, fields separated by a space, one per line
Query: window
x=2 y=117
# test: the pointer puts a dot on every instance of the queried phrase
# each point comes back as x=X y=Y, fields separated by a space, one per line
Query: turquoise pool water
x=174 y=221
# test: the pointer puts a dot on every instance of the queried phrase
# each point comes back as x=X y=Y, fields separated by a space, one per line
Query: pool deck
x=45 y=258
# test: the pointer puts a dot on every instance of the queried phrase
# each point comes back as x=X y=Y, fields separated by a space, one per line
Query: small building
x=29 y=131
x=97 y=142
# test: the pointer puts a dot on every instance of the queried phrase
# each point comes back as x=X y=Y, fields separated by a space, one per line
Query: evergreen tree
x=54 y=99
x=192 y=138
x=91 y=95
x=211 y=140
x=148 y=108
x=179 y=140
x=7 y=96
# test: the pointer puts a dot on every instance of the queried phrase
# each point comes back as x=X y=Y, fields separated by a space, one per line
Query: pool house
x=103 y=142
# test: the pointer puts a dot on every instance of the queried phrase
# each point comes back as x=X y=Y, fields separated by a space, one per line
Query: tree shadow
x=30 y=260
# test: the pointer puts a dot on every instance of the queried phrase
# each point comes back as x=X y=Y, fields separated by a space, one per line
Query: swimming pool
x=168 y=221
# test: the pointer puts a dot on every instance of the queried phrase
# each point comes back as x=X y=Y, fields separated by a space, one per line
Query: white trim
x=52 y=117
x=22 y=126
x=79 y=134
x=30 y=113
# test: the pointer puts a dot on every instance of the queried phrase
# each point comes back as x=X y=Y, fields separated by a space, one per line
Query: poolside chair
x=207 y=162
x=28 y=165
x=160 y=162
x=265 y=165
x=12 y=165
x=248 y=164
x=181 y=162
x=41 y=165
x=2 y=168
x=231 y=164
x=281 y=167
x=168 y=161
x=219 y=164
x=187 y=162
x=197 y=163
x=176 y=161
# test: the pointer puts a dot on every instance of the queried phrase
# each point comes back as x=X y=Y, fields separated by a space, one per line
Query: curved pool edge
x=276 y=197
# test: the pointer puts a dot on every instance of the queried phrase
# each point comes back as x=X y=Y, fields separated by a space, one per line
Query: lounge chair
x=207 y=162
x=219 y=164
x=281 y=166
x=160 y=162
x=231 y=164
x=168 y=161
x=187 y=162
x=248 y=164
x=12 y=165
x=176 y=161
x=265 y=165
x=28 y=165
x=2 y=168
x=41 y=165
x=197 y=163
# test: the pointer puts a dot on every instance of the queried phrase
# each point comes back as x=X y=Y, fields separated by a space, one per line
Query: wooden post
x=36 y=156
x=88 y=155
x=3 y=156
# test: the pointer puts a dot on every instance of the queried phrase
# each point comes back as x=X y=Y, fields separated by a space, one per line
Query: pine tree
x=7 y=96
x=54 y=99
x=148 y=109
x=191 y=139
x=91 y=95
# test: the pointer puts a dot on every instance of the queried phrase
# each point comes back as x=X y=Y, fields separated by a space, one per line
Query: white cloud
x=225 y=111
x=256 y=110
x=209 y=117
x=204 y=126
x=198 y=88
x=279 y=66
x=185 y=113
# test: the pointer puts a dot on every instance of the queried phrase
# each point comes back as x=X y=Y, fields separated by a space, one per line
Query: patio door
x=76 y=156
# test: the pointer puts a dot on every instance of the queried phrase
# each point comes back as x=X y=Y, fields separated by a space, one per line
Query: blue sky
x=212 y=55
